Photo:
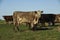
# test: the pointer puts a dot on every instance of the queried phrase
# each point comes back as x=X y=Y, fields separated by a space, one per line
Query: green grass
x=7 y=33
x=2 y=21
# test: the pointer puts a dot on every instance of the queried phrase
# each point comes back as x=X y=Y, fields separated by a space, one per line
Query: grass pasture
x=7 y=33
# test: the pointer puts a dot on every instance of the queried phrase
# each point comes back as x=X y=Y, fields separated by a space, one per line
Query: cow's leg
x=43 y=24
x=35 y=26
x=53 y=23
x=7 y=22
x=16 y=28
x=29 y=24
x=49 y=23
x=32 y=25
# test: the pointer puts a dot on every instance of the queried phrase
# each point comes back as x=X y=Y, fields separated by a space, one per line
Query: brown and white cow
x=31 y=17
x=8 y=19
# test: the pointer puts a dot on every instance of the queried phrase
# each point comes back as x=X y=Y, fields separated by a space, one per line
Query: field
x=7 y=33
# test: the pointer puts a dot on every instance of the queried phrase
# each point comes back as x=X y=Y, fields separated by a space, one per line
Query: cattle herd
x=31 y=18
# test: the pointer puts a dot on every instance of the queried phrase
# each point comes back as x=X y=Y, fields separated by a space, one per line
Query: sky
x=7 y=7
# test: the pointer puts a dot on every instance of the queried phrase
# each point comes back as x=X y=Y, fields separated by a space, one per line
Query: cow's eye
x=35 y=12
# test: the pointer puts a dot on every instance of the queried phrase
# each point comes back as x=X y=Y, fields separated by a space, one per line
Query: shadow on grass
x=45 y=28
x=41 y=28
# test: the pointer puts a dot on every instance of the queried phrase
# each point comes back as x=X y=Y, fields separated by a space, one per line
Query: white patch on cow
x=23 y=20
x=20 y=19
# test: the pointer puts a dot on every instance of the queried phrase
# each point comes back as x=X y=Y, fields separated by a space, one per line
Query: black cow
x=49 y=18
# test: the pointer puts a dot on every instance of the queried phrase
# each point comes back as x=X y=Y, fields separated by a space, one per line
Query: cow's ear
x=41 y=11
x=35 y=12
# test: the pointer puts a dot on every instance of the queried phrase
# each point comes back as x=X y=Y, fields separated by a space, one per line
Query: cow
x=57 y=18
x=31 y=17
x=8 y=19
x=47 y=18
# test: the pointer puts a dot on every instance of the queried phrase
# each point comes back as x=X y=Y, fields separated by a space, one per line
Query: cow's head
x=38 y=13
x=37 y=16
